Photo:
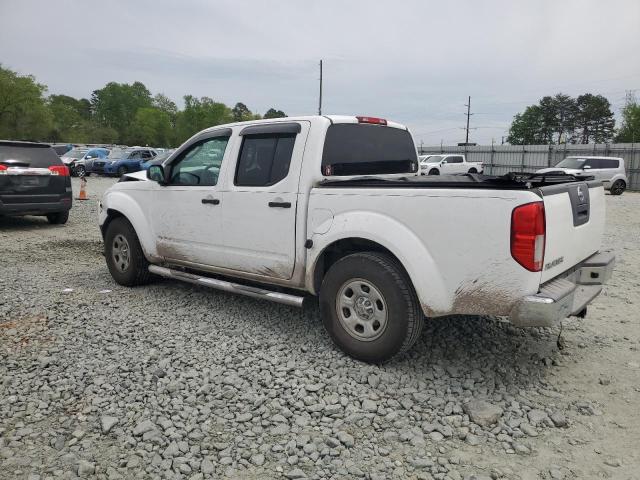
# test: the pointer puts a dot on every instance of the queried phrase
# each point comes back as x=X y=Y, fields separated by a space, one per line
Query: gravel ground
x=174 y=381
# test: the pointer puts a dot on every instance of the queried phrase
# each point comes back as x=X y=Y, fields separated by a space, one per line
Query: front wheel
x=80 y=171
x=618 y=187
x=369 y=307
x=125 y=258
x=122 y=170
x=473 y=170
x=434 y=171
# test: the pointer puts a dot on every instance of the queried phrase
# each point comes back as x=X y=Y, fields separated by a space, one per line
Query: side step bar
x=255 y=292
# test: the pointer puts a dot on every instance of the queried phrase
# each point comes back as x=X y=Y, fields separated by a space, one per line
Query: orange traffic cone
x=83 y=190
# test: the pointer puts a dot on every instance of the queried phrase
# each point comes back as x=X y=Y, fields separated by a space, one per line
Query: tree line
x=118 y=113
x=585 y=119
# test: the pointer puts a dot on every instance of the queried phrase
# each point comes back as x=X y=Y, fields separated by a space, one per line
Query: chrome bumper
x=566 y=295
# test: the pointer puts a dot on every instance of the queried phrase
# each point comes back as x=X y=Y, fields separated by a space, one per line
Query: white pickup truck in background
x=334 y=207
x=446 y=164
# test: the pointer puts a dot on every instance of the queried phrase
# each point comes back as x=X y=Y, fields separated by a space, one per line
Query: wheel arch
x=122 y=206
x=410 y=253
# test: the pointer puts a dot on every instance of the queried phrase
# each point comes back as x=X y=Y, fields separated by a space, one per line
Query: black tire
x=618 y=187
x=58 y=218
x=80 y=170
x=404 y=317
x=121 y=170
x=473 y=170
x=434 y=171
x=136 y=271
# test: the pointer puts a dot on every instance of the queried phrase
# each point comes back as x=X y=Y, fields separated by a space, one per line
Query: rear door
x=575 y=217
x=26 y=176
x=259 y=207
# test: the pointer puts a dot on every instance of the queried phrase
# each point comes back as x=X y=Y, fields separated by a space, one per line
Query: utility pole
x=468 y=114
x=320 y=100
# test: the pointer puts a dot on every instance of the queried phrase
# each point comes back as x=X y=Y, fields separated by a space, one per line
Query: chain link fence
x=501 y=159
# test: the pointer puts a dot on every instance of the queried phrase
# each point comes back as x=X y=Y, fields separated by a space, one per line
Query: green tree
x=116 y=104
x=241 y=113
x=165 y=104
x=70 y=118
x=23 y=112
x=198 y=114
x=273 y=113
x=594 y=121
x=527 y=127
x=152 y=127
x=630 y=130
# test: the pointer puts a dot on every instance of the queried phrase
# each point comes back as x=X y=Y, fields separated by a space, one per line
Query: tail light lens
x=374 y=120
x=528 y=235
x=61 y=170
x=3 y=169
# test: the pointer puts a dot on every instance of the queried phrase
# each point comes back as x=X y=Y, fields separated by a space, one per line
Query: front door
x=187 y=211
x=261 y=202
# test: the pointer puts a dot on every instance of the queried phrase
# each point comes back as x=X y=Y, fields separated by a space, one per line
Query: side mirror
x=156 y=173
x=443 y=162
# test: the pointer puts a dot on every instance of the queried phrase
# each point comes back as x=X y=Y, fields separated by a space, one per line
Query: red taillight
x=61 y=170
x=3 y=168
x=527 y=235
x=374 y=120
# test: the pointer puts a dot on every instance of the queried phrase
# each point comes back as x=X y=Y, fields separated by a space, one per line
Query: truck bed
x=510 y=181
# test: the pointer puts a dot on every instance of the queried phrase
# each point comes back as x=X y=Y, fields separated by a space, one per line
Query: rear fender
x=400 y=241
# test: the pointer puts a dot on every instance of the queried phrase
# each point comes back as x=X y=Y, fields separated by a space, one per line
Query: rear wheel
x=434 y=171
x=473 y=170
x=125 y=259
x=58 y=218
x=122 y=170
x=618 y=187
x=369 y=307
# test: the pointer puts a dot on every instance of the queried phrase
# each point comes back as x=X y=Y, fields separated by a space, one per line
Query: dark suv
x=33 y=181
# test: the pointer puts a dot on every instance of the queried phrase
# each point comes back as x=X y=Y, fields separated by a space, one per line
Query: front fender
x=121 y=202
x=400 y=241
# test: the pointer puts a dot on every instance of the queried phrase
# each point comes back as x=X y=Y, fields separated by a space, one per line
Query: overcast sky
x=412 y=61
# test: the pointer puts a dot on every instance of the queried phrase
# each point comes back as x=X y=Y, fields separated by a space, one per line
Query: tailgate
x=575 y=217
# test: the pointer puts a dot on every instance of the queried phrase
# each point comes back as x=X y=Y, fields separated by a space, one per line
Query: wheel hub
x=362 y=309
x=120 y=252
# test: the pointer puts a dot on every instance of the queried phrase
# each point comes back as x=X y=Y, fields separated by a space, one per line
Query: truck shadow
x=25 y=223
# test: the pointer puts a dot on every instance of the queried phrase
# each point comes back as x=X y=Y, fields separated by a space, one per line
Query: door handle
x=212 y=201
x=280 y=204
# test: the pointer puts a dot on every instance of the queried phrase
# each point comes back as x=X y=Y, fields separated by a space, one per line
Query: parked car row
x=116 y=161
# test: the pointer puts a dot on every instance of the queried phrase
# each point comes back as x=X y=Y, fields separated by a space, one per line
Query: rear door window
x=362 y=149
x=606 y=163
x=454 y=159
x=264 y=159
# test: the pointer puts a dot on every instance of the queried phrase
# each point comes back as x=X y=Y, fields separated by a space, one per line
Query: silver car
x=608 y=169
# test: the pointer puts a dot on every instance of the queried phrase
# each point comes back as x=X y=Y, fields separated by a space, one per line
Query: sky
x=411 y=61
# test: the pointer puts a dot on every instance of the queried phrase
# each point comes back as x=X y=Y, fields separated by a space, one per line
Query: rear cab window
x=363 y=149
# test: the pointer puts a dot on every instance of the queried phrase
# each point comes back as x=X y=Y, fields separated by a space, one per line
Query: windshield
x=76 y=153
x=432 y=159
x=118 y=153
x=575 y=163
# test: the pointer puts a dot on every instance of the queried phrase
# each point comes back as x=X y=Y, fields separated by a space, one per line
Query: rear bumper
x=35 y=208
x=566 y=295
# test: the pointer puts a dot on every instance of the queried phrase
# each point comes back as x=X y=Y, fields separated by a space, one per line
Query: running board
x=255 y=292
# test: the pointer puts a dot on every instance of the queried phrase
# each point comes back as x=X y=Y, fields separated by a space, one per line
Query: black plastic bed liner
x=510 y=181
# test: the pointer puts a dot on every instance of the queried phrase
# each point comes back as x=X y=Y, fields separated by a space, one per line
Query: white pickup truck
x=446 y=164
x=334 y=207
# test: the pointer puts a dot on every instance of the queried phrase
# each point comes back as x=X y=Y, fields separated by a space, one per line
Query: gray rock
x=257 y=459
x=295 y=473
x=482 y=413
x=143 y=427
x=207 y=467
x=369 y=406
x=107 y=423
x=536 y=417
x=85 y=469
x=346 y=438
x=559 y=420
